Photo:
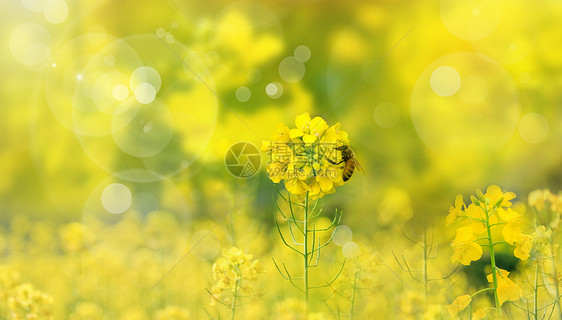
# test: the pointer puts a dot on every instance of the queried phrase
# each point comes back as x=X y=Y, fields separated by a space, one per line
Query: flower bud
x=480 y=195
x=475 y=200
x=499 y=202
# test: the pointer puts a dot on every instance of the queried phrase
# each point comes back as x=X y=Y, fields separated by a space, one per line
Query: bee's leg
x=334 y=163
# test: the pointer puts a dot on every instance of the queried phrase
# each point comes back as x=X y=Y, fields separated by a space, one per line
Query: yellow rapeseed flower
x=507 y=289
x=459 y=304
x=511 y=232
x=466 y=250
x=455 y=211
x=494 y=193
x=303 y=156
x=479 y=314
x=523 y=247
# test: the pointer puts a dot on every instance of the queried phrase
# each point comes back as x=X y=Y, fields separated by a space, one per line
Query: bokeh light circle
x=30 y=44
x=116 y=198
x=117 y=209
x=143 y=75
x=274 y=90
x=342 y=235
x=145 y=93
x=471 y=20
x=483 y=117
x=243 y=94
x=120 y=92
x=350 y=250
x=291 y=70
x=128 y=120
x=302 y=53
x=445 y=81
x=56 y=11
x=34 y=5
x=533 y=127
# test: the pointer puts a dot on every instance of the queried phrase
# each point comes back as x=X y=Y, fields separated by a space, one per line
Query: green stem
x=480 y=291
x=306 y=249
x=493 y=263
x=536 y=293
x=235 y=293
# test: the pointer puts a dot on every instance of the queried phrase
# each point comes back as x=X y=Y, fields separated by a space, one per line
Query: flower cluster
x=26 y=302
x=305 y=156
x=549 y=204
x=478 y=217
x=231 y=273
x=487 y=212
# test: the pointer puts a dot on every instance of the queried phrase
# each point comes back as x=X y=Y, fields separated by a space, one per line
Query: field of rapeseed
x=280 y=159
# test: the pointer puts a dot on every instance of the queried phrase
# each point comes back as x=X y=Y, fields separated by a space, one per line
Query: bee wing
x=358 y=166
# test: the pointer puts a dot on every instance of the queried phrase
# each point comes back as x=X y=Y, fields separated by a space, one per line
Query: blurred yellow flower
x=479 y=314
x=466 y=250
x=73 y=236
x=300 y=156
x=523 y=246
x=230 y=272
x=172 y=313
x=459 y=304
x=507 y=289
x=26 y=302
x=456 y=210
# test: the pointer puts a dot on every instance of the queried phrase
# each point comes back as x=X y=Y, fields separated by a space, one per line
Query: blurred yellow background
x=113 y=107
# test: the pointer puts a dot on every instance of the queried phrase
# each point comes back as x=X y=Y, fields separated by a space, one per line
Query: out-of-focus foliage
x=116 y=118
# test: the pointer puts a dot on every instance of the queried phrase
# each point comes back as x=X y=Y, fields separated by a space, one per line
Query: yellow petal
x=318 y=126
x=464 y=234
x=508 y=290
x=523 y=247
x=459 y=304
x=511 y=232
x=302 y=121
x=459 y=201
x=479 y=314
x=325 y=184
x=295 y=133
x=309 y=138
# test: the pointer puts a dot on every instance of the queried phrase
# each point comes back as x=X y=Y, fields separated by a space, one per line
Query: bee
x=349 y=160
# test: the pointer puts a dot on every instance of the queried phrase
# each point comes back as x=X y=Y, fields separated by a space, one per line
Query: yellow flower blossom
x=511 y=232
x=479 y=314
x=466 y=250
x=304 y=156
x=26 y=302
x=494 y=193
x=231 y=272
x=476 y=212
x=523 y=246
x=459 y=304
x=507 y=289
x=456 y=210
